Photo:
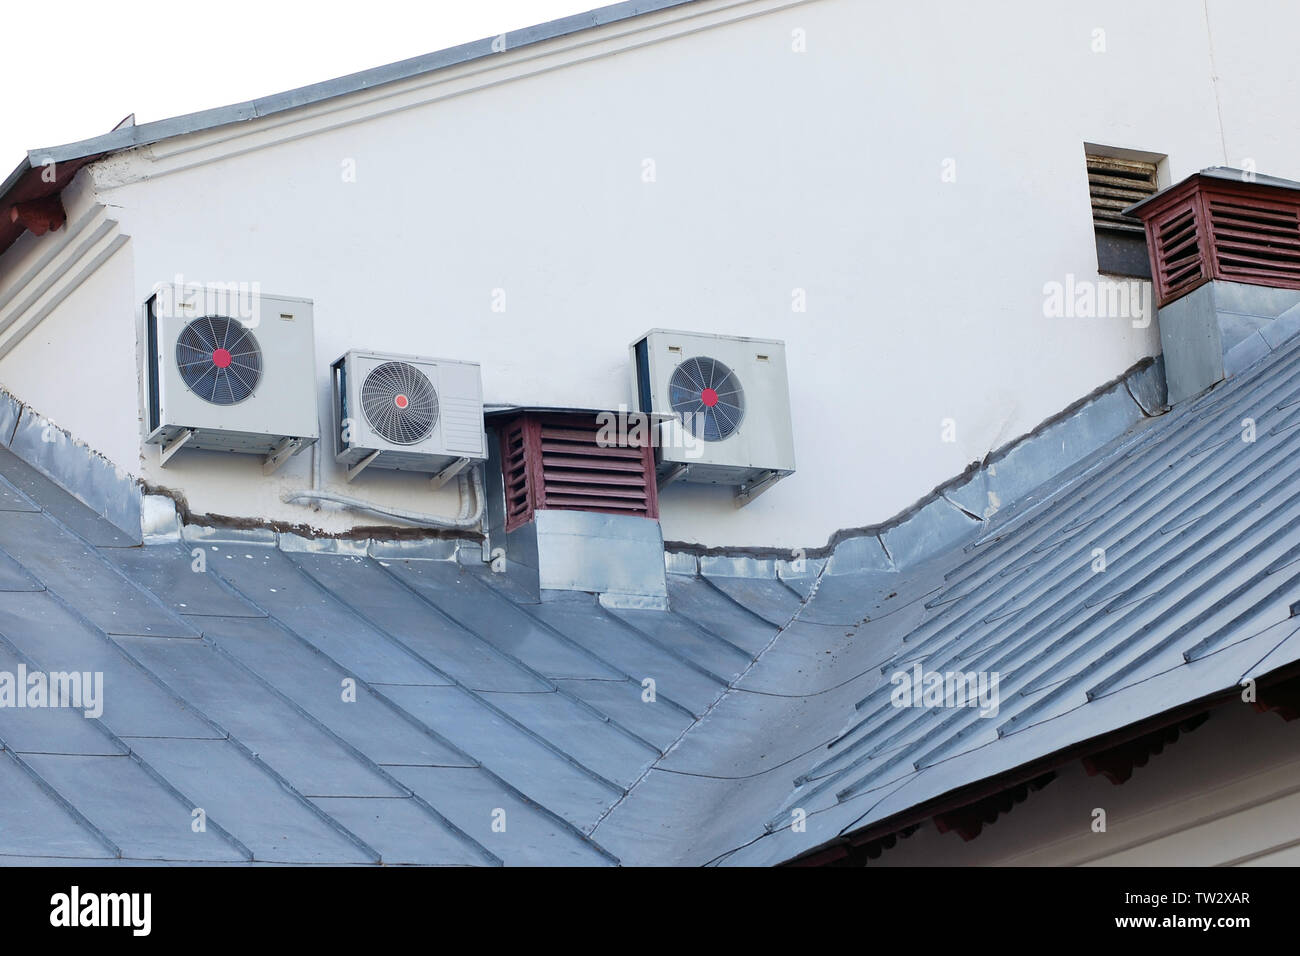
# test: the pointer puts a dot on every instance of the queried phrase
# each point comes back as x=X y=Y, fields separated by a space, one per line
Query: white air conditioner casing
x=740 y=434
x=407 y=412
x=229 y=371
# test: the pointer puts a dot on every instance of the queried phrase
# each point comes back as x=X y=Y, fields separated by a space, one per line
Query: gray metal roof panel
x=24 y=798
x=623 y=701
x=140 y=816
x=268 y=579
x=699 y=600
x=68 y=567
x=232 y=788
x=169 y=572
x=54 y=639
x=64 y=731
x=692 y=642
x=513 y=753
x=362 y=717
x=615 y=753
x=770 y=598
x=407 y=620
x=14 y=578
x=401 y=829
x=483 y=617
x=470 y=799
x=677 y=682
x=473 y=694
x=291 y=743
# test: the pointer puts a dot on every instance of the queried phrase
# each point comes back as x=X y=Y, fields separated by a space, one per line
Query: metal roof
x=493 y=725
x=1228 y=173
x=25 y=183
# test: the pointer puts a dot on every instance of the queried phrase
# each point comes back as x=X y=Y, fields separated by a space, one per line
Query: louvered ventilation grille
x=557 y=462
x=515 y=459
x=1255 y=241
x=1212 y=227
x=1115 y=184
x=1179 y=259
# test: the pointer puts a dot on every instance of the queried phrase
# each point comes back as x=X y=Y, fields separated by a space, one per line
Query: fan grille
x=399 y=402
x=708 y=397
x=219 y=360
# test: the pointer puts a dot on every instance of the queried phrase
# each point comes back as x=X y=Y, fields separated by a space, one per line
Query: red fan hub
x=709 y=397
x=401 y=401
x=221 y=358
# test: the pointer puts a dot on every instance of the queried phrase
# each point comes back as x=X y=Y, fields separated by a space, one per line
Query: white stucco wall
x=775 y=170
x=77 y=366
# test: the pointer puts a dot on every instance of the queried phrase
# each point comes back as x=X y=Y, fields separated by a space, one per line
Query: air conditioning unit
x=407 y=413
x=729 y=399
x=229 y=370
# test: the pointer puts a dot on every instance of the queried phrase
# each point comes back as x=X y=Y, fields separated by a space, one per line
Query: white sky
x=72 y=70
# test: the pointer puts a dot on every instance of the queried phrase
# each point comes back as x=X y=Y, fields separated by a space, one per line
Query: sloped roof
x=225 y=681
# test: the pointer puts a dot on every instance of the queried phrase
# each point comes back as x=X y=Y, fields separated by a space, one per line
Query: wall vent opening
x=1114 y=184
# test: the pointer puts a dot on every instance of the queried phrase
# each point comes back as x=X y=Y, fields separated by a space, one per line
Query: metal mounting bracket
x=678 y=471
x=450 y=472
x=360 y=466
x=747 y=493
x=172 y=447
x=281 y=453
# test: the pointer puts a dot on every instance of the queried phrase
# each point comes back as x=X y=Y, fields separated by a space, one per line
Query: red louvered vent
x=1178 y=259
x=558 y=461
x=1256 y=240
x=514 y=471
x=1208 y=227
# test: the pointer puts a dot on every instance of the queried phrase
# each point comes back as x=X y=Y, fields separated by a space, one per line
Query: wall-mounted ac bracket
x=281 y=453
x=172 y=447
x=450 y=472
x=678 y=471
x=751 y=490
x=360 y=466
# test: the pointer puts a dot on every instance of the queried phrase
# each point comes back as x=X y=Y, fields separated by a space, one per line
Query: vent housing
x=1223 y=224
x=230 y=371
x=565 y=462
x=406 y=413
x=727 y=401
x=1225 y=257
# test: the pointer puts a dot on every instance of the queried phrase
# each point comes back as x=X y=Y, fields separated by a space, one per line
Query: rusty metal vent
x=1255 y=240
x=1179 y=259
x=1213 y=227
x=1115 y=184
x=562 y=462
x=514 y=473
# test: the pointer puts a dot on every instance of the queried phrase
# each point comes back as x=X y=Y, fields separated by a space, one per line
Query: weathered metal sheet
x=382 y=703
x=142 y=817
x=23 y=799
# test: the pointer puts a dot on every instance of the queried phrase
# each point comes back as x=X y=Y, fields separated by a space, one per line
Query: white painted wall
x=775 y=171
